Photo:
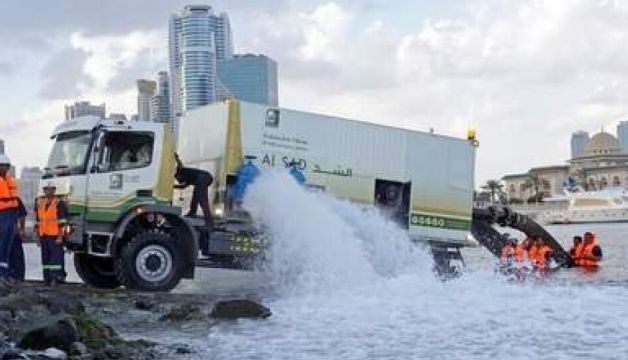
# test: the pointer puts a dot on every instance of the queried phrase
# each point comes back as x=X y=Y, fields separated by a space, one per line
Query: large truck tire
x=99 y=272
x=150 y=262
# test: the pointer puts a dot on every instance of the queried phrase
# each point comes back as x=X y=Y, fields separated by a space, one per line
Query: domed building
x=603 y=165
x=600 y=164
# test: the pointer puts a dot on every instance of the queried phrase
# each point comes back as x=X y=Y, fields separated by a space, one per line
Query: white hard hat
x=4 y=159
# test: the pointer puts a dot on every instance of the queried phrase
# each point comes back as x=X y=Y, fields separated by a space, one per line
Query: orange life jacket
x=507 y=252
x=520 y=254
x=8 y=193
x=577 y=253
x=541 y=256
x=48 y=217
x=532 y=251
x=587 y=250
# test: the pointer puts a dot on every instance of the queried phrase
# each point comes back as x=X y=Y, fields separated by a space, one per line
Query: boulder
x=185 y=312
x=59 y=332
x=54 y=353
x=236 y=309
x=78 y=349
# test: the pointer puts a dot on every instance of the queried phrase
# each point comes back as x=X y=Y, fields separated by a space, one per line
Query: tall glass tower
x=198 y=39
x=622 y=135
x=579 y=142
x=249 y=77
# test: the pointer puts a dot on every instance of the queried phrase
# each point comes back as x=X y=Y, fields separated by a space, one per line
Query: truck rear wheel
x=99 y=272
x=150 y=262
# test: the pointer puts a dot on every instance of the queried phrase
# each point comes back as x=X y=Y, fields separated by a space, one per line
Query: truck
x=127 y=224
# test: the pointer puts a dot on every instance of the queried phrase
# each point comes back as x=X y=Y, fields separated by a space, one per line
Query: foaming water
x=350 y=286
x=320 y=243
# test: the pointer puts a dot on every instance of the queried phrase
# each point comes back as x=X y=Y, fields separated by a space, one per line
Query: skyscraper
x=249 y=77
x=145 y=93
x=579 y=142
x=82 y=108
x=160 y=109
x=198 y=39
x=1 y=146
x=29 y=185
x=622 y=135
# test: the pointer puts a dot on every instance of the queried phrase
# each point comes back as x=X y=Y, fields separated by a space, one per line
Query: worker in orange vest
x=591 y=253
x=543 y=254
x=8 y=219
x=532 y=251
x=51 y=215
x=520 y=254
x=576 y=249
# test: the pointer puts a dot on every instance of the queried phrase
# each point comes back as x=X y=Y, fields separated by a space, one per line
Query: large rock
x=59 y=332
x=185 y=312
x=235 y=309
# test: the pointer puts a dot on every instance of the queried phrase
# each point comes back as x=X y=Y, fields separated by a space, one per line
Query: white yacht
x=608 y=205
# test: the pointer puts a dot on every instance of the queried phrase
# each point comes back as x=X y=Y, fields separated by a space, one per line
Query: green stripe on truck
x=439 y=221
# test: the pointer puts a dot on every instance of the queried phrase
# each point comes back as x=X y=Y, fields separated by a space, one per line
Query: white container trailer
x=423 y=180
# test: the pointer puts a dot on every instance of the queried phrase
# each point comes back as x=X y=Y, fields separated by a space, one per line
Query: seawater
x=344 y=283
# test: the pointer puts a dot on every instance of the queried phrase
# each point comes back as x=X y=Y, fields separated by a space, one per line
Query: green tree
x=494 y=187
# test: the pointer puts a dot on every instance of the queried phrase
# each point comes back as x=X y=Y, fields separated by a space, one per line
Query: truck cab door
x=122 y=176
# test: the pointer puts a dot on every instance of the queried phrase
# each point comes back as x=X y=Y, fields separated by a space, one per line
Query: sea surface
x=343 y=283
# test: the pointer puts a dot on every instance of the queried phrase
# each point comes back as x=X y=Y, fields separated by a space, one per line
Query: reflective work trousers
x=52 y=259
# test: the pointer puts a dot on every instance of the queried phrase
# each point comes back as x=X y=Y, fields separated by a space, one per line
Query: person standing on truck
x=201 y=180
x=17 y=265
x=52 y=217
x=8 y=205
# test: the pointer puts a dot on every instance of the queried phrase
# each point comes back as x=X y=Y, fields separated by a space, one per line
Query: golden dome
x=603 y=144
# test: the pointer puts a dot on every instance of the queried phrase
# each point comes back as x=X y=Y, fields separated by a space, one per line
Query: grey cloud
x=105 y=17
x=6 y=68
x=63 y=74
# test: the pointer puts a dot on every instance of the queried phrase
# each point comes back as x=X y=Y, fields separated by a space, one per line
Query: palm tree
x=494 y=187
x=533 y=183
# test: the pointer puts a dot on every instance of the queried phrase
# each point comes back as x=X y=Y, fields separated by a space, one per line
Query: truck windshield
x=69 y=154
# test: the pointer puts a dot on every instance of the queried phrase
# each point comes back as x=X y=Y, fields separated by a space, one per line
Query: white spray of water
x=320 y=243
x=351 y=287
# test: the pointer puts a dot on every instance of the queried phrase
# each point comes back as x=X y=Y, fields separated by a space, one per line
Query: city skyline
x=416 y=65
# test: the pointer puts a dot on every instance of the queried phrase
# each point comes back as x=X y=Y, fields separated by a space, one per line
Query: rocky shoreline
x=73 y=321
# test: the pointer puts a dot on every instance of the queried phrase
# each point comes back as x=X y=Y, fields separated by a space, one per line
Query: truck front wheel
x=150 y=262
x=96 y=271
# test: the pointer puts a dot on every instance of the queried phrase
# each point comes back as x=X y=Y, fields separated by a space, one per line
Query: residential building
x=198 y=38
x=622 y=135
x=83 y=108
x=248 y=77
x=160 y=107
x=29 y=185
x=145 y=93
x=579 y=142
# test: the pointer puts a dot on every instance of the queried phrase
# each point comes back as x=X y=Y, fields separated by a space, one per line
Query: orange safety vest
x=541 y=257
x=587 y=250
x=577 y=253
x=8 y=193
x=48 y=217
x=507 y=252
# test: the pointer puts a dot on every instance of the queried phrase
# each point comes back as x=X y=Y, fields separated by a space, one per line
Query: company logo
x=115 y=182
x=272 y=118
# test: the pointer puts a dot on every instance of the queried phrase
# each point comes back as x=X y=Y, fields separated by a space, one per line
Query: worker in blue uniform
x=17 y=265
x=8 y=205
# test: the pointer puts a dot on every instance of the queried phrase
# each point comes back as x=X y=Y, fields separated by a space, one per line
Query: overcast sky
x=525 y=73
